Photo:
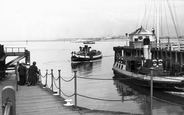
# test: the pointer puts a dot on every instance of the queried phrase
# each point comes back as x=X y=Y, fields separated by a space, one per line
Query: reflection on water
x=141 y=96
x=85 y=68
x=131 y=93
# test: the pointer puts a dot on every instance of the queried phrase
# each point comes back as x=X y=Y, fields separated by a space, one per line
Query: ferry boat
x=148 y=62
x=85 y=54
x=142 y=61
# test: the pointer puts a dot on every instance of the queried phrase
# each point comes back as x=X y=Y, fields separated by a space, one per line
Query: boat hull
x=85 y=58
x=160 y=95
x=157 y=85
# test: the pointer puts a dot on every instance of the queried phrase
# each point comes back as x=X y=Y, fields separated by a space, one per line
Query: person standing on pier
x=33 y=74
x=17 y=73
x=22 y=74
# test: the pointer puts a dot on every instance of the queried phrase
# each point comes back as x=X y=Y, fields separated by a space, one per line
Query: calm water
x=56 y=56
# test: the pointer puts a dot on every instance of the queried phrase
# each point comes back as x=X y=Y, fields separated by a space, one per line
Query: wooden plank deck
x=34 y=100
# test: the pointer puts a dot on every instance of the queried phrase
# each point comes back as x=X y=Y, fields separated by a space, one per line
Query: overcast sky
x=53 y=19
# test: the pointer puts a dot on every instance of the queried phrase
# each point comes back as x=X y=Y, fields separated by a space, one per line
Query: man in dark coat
x=22 y=70
x=33 y=73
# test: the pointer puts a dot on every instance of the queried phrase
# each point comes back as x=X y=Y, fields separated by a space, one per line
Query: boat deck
x=118 y=67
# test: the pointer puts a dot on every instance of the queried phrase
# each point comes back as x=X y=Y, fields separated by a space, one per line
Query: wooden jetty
x=35 y=100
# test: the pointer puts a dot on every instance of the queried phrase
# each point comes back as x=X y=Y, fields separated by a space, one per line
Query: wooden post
x=17 y=80
x=52 y=80
x=59 y=83
x=39 y=77
x=8 y=100
x=75 y=86
x=46 y=78
x=17 y=75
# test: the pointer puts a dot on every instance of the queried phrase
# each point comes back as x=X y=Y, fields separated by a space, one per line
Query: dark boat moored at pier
x=149 y=61
x=85 y=54
x=142 y=61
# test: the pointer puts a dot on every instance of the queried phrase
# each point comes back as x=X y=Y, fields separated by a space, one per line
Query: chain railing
x=56 y=82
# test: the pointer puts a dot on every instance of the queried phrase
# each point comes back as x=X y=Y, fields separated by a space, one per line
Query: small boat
x=85 y=54
x=88 y=42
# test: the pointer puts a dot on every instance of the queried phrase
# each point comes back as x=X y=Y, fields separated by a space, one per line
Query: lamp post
x=151 y=89
x=156 y=64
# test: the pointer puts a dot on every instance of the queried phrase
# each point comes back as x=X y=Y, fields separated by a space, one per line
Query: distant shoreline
x=84 y=39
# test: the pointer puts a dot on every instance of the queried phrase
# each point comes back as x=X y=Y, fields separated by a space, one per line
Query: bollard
x=8 y=100
x=75 y=88
x=59 y=83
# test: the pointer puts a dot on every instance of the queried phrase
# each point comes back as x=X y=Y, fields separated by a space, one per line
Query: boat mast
x=158 y=20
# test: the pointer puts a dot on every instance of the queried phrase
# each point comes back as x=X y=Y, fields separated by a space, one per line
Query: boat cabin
x=85 y=49
x=140 y=34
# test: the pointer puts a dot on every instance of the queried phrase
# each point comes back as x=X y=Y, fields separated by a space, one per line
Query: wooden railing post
x=8 y=101
x=46 y=78
x=59 y=83
x=17 y=81
x=75 y=87
x=39 y=77
x=52 y=80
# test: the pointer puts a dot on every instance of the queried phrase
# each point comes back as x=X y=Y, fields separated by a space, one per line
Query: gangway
x=13 y=62
x=21 y=52
x=18 y=53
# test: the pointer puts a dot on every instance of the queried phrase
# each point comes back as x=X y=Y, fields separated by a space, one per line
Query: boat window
x=122 y=66
x=140 y=38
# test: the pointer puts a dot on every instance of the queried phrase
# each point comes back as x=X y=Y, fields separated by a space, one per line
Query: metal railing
x=8 y=101
x=14 y=49
x=168 y=46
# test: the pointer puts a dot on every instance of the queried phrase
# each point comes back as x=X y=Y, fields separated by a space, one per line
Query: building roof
x=141 y=31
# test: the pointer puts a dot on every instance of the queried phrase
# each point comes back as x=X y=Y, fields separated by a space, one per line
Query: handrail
x=15 y=49
x=8 y=101
x=7 y=110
